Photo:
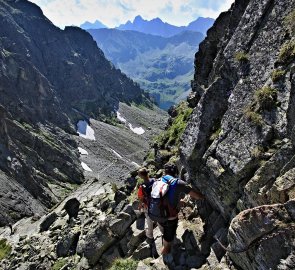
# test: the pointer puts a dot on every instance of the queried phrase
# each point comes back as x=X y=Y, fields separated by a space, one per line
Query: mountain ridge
x=95 y=25
x=45 y=73
x=157 y=27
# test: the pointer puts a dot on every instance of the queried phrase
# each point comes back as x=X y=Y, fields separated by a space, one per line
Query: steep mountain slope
x=45 y=73
x=159 y=28
x=238 y=147
x=162 y=66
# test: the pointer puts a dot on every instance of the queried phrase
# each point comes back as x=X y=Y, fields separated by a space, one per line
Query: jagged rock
x=120 y=196
x=94 y=243
x=142 y=252
x=158 y=264
x=59 y=224
x=234 y=152
x=237 y=151
x=259 y=232
x=111 y=254
x=83 y=264
x=142 y=266
x=68 y=244
x=48 y=221
x=121 y=223
x=138 y=232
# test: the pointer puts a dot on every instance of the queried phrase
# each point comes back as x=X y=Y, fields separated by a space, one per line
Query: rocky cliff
x=49 y=79
x=238 y=147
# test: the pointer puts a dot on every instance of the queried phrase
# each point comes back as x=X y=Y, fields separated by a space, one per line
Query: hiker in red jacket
x=144 y=193
x=164 y=203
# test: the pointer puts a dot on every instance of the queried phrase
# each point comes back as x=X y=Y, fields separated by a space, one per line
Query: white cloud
x=114 y=12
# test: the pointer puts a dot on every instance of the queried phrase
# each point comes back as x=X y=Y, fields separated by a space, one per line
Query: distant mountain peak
x=138 y=18
x=156 y=20
x=95 y=25
x=157 y=27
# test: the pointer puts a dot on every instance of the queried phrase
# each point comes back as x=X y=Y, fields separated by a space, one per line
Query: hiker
x=144 y=193
x=164 y=203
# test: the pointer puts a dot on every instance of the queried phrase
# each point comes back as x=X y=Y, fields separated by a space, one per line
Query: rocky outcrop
x=48 y=77
x=99 y=235
x=258 y=231
x=238 y=147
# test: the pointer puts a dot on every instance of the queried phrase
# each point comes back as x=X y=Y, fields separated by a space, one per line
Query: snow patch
x=117 y=154
x=85 y=167
x=135 y=164
x=85 y=131
x=136 y=130
x=121 y=118
x=82 y=151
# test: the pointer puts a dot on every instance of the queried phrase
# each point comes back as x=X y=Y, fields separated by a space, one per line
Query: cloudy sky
x=114 y=12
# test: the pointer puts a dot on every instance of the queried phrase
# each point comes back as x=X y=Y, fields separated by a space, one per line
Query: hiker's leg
x=149 y=227
x=169 y=233
x=166 y=247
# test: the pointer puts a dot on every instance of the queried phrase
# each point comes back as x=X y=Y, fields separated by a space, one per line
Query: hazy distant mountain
x=200 y=25
x=158 y=27
x=96 y=25
x=162 y=66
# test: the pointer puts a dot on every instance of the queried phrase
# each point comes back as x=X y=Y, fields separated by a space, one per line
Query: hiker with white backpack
x=164 y=203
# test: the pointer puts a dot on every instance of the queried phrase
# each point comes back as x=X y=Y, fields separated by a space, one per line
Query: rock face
x=238 y=147
x=48 y=77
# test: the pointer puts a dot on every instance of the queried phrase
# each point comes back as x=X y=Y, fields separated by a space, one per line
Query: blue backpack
x=162 y=203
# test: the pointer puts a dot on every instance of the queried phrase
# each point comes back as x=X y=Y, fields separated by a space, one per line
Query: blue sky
x=114 y=12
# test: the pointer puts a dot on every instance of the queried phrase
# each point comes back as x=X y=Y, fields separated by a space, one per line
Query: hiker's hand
x=196 y=195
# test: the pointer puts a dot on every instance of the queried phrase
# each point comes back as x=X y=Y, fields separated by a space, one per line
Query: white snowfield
x=82 y=151
x=121 y=118
x=85 y=131
x=136 y=130
x=86 y=167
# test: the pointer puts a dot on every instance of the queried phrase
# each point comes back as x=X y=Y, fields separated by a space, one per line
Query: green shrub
x=257 y=151
x=150 y=155
x=287 y=51
x=5 y=249
x=215 y=134
x=124 y=264
x=241 y=57
x=277 y=75
x=171 y=136
x=114 y=187
x=266 y=97
x=59 y=264
x=290 y=22
x=254 y=117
